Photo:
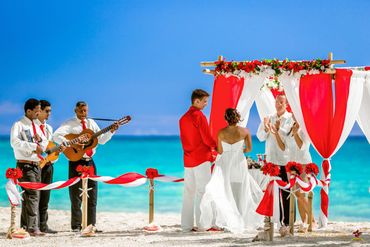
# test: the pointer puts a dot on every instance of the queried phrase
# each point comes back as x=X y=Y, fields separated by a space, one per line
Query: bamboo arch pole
x=84 y=202
x=151 y=200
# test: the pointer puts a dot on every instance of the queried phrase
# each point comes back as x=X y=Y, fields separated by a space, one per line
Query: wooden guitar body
x=75 y=152
x=51 y=156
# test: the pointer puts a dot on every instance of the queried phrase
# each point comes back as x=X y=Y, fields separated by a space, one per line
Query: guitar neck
x=102 y=131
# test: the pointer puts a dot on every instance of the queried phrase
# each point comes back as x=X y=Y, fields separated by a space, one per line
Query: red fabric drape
x=266 y=206
x=226 y=94
x=324 y=115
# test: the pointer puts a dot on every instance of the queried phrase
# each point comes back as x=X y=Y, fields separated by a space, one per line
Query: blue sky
x=142 y=57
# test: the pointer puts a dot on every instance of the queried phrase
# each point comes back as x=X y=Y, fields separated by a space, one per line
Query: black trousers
x=30 y=203
x=285 y=200
x=46 y=178
x=76 y=200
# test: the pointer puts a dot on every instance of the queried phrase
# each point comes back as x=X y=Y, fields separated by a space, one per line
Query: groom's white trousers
x=195 y=181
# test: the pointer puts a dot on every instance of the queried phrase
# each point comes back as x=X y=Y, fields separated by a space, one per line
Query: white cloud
x=7 y=107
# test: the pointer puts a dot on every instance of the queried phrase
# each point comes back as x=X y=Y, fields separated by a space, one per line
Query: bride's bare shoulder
x=244 y=131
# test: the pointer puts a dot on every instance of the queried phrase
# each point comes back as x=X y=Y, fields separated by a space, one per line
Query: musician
x=28 y=143
x=75 y=126
x=47 y=170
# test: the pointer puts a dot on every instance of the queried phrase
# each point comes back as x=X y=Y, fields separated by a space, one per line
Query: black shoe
x=48 y=230
x=78 y=229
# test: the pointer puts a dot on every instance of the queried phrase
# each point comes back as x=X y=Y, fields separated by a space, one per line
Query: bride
x=232 y=195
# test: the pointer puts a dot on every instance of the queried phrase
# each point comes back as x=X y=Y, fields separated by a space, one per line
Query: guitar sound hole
x=75 y=150
x=88 y=144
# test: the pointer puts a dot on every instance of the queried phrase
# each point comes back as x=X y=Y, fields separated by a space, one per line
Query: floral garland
x=13 y=173
x=312 y=168
x=270 y=169
x=278 y=66
x=294 y=166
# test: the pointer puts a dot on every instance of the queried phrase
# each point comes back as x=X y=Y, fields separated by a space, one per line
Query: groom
x=198 y=145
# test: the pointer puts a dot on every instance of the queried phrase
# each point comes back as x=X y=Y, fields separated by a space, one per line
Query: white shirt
x=74 y=126
x=301 y=155
x=22 y=140
x=48 y=132
x=47 y=129
x=273 y=152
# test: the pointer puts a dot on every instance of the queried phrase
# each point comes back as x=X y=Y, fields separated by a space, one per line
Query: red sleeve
x=205 y=132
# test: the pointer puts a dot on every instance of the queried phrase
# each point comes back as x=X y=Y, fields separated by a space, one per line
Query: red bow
x=13 y=173
x=151 y=173
x=85 y=170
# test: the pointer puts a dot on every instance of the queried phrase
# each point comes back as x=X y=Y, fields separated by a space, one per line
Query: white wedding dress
x=232 y=195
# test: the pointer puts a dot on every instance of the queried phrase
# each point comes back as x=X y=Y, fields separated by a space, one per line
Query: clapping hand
x=267 y=124
x=275 y=127
x=295 y=128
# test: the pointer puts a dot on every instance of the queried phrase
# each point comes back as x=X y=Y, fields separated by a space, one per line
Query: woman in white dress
x=232 y=195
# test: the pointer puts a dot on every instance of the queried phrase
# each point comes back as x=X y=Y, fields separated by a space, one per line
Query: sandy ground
x=126 y=229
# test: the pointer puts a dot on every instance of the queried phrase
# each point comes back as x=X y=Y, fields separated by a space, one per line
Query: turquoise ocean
x=349 y=190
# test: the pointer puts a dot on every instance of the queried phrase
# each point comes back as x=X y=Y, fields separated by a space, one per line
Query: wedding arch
x=326 y=101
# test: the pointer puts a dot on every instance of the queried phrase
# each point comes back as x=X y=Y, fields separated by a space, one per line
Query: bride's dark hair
x=232 y=116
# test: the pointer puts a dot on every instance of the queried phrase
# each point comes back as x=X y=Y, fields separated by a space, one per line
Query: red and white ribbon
x=163 y=178
x=269 y=205
x=130 y=179
x=52 y=186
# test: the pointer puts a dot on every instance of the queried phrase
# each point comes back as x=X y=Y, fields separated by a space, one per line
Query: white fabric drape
x=252 y=85
x=353 y=104
x=291 y=88
x=363 y=118
x=265 y=103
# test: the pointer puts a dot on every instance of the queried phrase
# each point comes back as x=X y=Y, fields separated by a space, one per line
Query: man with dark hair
x=75 y=126
x=198 y=145
x=29 y=143
x=47 y=170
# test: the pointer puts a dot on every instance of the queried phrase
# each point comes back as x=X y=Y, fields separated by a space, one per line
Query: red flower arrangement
x=85 y=170
x=270 y=169
x=276 y=65
x=151 y=173
x=294 y=166
x=357 y=235
x=13 y=173
x=312 y=168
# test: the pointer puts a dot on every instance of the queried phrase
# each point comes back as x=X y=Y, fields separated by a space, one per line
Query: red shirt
x=195 y=138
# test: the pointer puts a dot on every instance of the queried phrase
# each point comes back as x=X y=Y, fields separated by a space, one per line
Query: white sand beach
x=125 y=229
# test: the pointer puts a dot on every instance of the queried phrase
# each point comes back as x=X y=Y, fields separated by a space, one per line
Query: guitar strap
x=104 y=119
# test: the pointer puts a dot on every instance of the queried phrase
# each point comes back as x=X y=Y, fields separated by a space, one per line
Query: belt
x=28 y=162
x=86 y=159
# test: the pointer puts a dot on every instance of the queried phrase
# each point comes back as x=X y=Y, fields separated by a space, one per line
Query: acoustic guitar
x=75 y=152
x=53 y=150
